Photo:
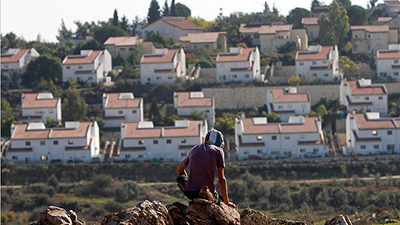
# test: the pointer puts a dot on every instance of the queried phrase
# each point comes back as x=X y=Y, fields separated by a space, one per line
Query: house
x=186 y=103
x=122 y=46
x=165 y=66
x=77 y=141
x=319 y=61
x=369 y=134
x=143 y=141
x=372 y=37
x=393 y=22
x=90 y=65
x=388 y=65
x=174 y=27
x=362 y=95
x=239 y=65
x=298 y=138
x=390 y=7
x=317 y=11
x=207 y=40
x=37 y=107
x=287 y=102
x=312 y=27
x=273 y=36
x=16 y=59
x=121 y=107
x=252 y=29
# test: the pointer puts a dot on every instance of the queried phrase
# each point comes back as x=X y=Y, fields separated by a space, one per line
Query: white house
x=298 y=138
x=77 y=141
x=121 y=107
x=389 y=7
x=186 y=103
x=122 y=46
x=205 y=41
x=319 y=61
x=90 y=65
x=37 y=107
x=239 y=65
x=143 y=141
x=287 y=102
x=174 y=27
x=368 y=134
x=165 y=66
x=15 y=59
x=388 y=63
x=362 y=95
x=274 y=36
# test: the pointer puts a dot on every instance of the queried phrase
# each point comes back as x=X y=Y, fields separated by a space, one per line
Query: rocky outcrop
x=54 y=215
x=254 y=217
x=339 y=220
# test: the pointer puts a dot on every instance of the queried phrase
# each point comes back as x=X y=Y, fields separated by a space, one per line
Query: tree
x=115 y=21
x=127 y=191
x=226 y=124
x=294 y=81
x=81 y=30
x=91 y=45
x=45 y=67
x=275 y=10
x=271 y=117
x=101 y=34
x=324 y=35
x=344 y=2
x=339 y=25
x=172 y=9
x=63 y=33
x=314 y=4
x=349 y=68
x=357 y=15
x=154 y=12
x=372 y=63
x=296 y=15
x=166 y=9
x=154 y=113
x=290 y=46
x=50 y=123
x=124 y=24
x=182 y=10
x=266 y=8
x=53 y=182
x=7 y=119
x=74 y=107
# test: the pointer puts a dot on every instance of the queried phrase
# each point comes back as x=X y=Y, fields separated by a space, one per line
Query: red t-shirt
x=203 y=162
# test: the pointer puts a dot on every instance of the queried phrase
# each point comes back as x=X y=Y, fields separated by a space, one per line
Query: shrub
x=294 y=81
x=34 y=215
x=113 y=206
x=50 y=191
x=127 y=191
x=53 y=181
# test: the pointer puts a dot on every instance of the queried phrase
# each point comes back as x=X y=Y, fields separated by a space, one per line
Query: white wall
x=385 y=69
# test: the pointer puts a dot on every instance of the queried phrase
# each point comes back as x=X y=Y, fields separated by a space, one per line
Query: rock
x=254 y=217
x=54 y=215
x=144 y=213
x=205 y=193
x=339 y=220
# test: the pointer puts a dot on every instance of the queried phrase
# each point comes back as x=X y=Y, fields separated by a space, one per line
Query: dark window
x=27 y=143
x=169 y=141
x=155 y=142
x=273 y=137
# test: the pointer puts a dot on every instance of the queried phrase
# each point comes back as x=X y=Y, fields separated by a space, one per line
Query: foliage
x=10 y=40
x=394 y=106
x=91 y=45
x=63 y=33
x=349 y=68
x=159 y=41
x=294 y=80
x=182 y=10
x=154 y=12
x=74 y=107
x=7 y=119
x=165 y=11
x=201 y=22
x=226 y=124
x=317 y=81
x=314 y=4
x=115 y=20
x=48 y=86
x=373 y=62
x=101 y=34
x=172 y=9
x=296 y=15
x=46 y=67
x=51 y=123
x=357 y=15
x=272 y=117
x=198 y=115
x=128 y=190
x=290 y=46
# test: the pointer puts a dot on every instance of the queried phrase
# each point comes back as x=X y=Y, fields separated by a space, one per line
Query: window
x=131 y=49
x=302 y=150
x=183 y=154
x=316 y=150
x=134 y=111
x=379 y=35
x=234 y=76
x=395 y=73
x=141 y=142
x=120 y=112
x=366 y=98
x=170 y=78
x=301 y=64
x=158 y=78
x=43 y=158
x=287 y=138
x=42 y=142
x=259 y=151
x=374 y=132
x=246 y=153
x=380 y=97
x=390 y=147
x=140 y=156
x=389 y=132
x=90 y=78
x=70 y=142
x=324 y=62
x=396 y=61
x=122 y=49
x=383 y=74
x=355 y=47
x=155 y=142
x=356 y=36
x=376 y=146
x=169 y=141
x=247 y=75
x=14 y=157
x=314 y=74
x=68 y=67
x=326 y=75
x=79 y=67
x=183 y=140
x=259 y=138
x=55 y=142
x=51 y=111
x=207 y=111
x=273 y=138
x=362 y=147
x=369 y=48
x=127 y=156
x=27 y=143
x=280 y=106
x=148 y=79
x=314 y=63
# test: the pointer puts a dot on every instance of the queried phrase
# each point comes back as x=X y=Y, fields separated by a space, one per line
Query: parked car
x=253 y=157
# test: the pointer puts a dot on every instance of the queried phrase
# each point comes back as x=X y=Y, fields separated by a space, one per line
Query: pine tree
x=266 y=8
x=315 y=3
x=115 y=19
x=154 y=12
x=166 y=9
x=339 y=22
x=63 y=33
x=172 y=10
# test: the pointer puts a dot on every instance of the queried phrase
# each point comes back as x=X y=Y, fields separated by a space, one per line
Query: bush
x=43 y=200
x=53 y=182
x=294 y=81
x=127 y=191
x=113 y=206
x=34 y=215
x=50 y=191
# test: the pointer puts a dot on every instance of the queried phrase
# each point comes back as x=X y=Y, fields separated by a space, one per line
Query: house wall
x=52 y=113
x=186 y=111
x=385 y=70
x=364 y=42
x=302 y=34
x=168 y=30
x=313 y=31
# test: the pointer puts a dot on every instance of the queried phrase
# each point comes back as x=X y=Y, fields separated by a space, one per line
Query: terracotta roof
x=310 y=20
x=388 y=54
x=184 y=100
x=397 y=121
x=21 y=132
x=82 y=59
x=155 y=58
x=308 y=126
x=272 y=29
x=30 y=101
x=202 y=37
x=185 y=25
x=113 y=101
x=384 y=19
x=322 y=54
x=280 y=96
x=192 y=130
x=246 y=29
x=365 y=124
x=232 y=57
x=13 y=58
x=132 y=131
x=250 y=128
x=122 y=41
x=392 y=2
x=356 y=89
x=371 y=28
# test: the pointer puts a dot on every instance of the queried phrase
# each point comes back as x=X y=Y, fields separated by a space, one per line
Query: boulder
x=144 y=213
x=339 y=220
x=54 y=215
x=254 y=217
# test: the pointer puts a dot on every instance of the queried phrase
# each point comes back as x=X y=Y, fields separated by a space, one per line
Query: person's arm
x=181 y=169
x=224 y=187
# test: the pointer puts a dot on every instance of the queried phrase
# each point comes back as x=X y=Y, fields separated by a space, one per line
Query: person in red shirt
x=203 y=161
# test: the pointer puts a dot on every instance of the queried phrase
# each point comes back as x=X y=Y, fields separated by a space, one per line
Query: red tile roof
x=322 y=54
x=122 y=41
x=250 y=128
x=280 y=96
x=185 y=25
x=371 y=28
x=388 y=54
x=155 y=58
x=309 y=126
x=14 y=58
x=365 y=124
x=113 y=101
x=384 y=19
x=246 y=29
x=232 y=57
x=356 y=89
x=80 y=59
x=30 y=101
x=192 y=130
x=202 y=37
x=272 y=29
x=310 y=20
x=184 y=100
x=392 y=3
